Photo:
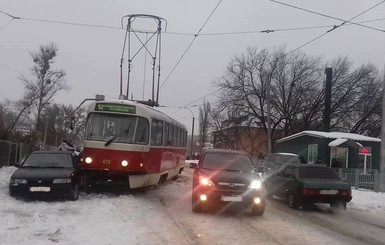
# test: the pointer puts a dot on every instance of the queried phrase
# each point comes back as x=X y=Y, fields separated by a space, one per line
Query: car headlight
x=206 y=181
x=61 y=181
x=18 y=181
x=255 y=184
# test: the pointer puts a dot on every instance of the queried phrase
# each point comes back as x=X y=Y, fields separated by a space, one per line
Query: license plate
x=39 y=189
x=328 y=192
x=231 y=198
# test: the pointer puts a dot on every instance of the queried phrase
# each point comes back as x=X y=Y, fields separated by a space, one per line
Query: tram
x=130 y=143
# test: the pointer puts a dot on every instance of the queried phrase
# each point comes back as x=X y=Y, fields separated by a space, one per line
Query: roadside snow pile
x=368 y=201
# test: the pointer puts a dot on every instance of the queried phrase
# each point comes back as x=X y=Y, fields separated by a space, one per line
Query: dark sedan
x=224 y=177
x=302 y=184
x=47 y=173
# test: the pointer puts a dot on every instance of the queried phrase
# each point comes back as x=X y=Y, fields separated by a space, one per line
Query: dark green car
x=302 y=184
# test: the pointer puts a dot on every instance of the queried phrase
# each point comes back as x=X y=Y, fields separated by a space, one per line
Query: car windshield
x=230 y=162
x=48 y=161
x=317 y=173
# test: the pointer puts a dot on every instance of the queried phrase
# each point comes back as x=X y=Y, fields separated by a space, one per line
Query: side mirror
x=193 y=165
x=17 y=164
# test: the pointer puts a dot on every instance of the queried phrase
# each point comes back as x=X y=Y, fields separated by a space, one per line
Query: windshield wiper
x=51 y=166
x=117 y=136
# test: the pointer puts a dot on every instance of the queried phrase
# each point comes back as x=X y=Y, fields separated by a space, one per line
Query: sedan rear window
x=230 y=162
x=317 y=173
x=48 y=161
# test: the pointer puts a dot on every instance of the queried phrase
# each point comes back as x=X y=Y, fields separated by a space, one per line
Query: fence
x=11 y=152
x=366 y=179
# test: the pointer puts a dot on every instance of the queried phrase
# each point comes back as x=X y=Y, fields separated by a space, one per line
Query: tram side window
x=171 y=136
x=156 y=132
x=177 y=140
x=184 y=138
x=166 y=134
x=141 y=133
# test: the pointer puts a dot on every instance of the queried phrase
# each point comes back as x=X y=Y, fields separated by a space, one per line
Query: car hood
x=43 y=173
x=325 y=184
x=230 y=176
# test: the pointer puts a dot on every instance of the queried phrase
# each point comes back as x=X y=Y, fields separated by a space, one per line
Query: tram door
x=365 y=159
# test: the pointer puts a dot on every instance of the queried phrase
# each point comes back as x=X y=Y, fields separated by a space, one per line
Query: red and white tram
x=130 y=143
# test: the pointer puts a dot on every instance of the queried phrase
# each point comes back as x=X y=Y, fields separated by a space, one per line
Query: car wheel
x=258 y=210
x=292 y=201
x=74 y=193
x=196 y=206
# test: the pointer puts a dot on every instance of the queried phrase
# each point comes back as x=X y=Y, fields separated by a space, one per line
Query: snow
x=331 y=135
x=109 y=218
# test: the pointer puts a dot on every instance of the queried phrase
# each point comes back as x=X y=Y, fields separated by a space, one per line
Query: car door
x=285 y=181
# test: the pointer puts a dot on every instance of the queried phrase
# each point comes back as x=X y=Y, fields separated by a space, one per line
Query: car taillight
x=309 y=192
x=345 y=192
x=205 y=181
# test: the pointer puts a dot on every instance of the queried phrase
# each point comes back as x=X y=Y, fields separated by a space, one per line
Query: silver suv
x=275 y=160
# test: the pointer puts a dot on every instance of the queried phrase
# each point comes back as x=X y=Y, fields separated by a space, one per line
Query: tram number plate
x=328 y=192
x=231 y=198
x=39 y=189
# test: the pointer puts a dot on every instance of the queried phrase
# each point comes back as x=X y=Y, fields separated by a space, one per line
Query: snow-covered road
x=163 y=216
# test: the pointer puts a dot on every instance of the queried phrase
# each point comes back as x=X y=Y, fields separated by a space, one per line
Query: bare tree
x=297 y=85
x=45 y=82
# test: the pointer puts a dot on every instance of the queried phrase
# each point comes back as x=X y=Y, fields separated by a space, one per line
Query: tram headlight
x=88 y=160
x=124 y=163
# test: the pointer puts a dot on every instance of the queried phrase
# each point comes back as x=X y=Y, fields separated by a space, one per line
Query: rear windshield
x=290 y=159
x=317 y=173
x=227 y=161
x=48 y=161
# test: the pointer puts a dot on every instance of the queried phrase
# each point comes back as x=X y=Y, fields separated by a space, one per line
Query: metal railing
x=360 y=178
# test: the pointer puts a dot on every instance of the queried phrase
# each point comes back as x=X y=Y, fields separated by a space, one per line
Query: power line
x=265 y=31
x=307 y=43
x=332 y=17
x=334 y=27
x=6 y=24
x=190 y=44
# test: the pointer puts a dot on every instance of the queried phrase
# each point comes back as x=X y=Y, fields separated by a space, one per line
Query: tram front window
x=103 y=127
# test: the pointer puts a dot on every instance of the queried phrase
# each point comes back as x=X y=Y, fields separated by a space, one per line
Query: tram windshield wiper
x=118 y=135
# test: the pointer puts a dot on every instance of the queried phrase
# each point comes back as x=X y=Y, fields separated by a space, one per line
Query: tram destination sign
x=115 y=108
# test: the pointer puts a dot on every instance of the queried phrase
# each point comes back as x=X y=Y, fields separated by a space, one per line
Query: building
x=251 y=139
x=335 y=149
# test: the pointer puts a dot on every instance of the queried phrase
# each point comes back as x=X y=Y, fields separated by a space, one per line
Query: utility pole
x=268 y=117
x=192 y=130
x=328 y=98
x=382 y=150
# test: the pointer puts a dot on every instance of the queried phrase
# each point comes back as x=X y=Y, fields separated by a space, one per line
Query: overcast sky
x=91 y=55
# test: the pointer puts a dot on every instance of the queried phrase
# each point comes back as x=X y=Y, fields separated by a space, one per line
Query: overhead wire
x=345 y=22
x=190 y=44
x=329 y=16
x=334 y=27
x=308 y=42
x=203 y=34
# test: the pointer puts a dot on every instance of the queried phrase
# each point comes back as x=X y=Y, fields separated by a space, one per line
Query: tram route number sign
x=115 y=108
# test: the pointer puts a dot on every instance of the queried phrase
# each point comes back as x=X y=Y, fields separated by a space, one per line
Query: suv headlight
x=206 y=181
x=18 y=181
x=61 y=181
x=255 y=184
